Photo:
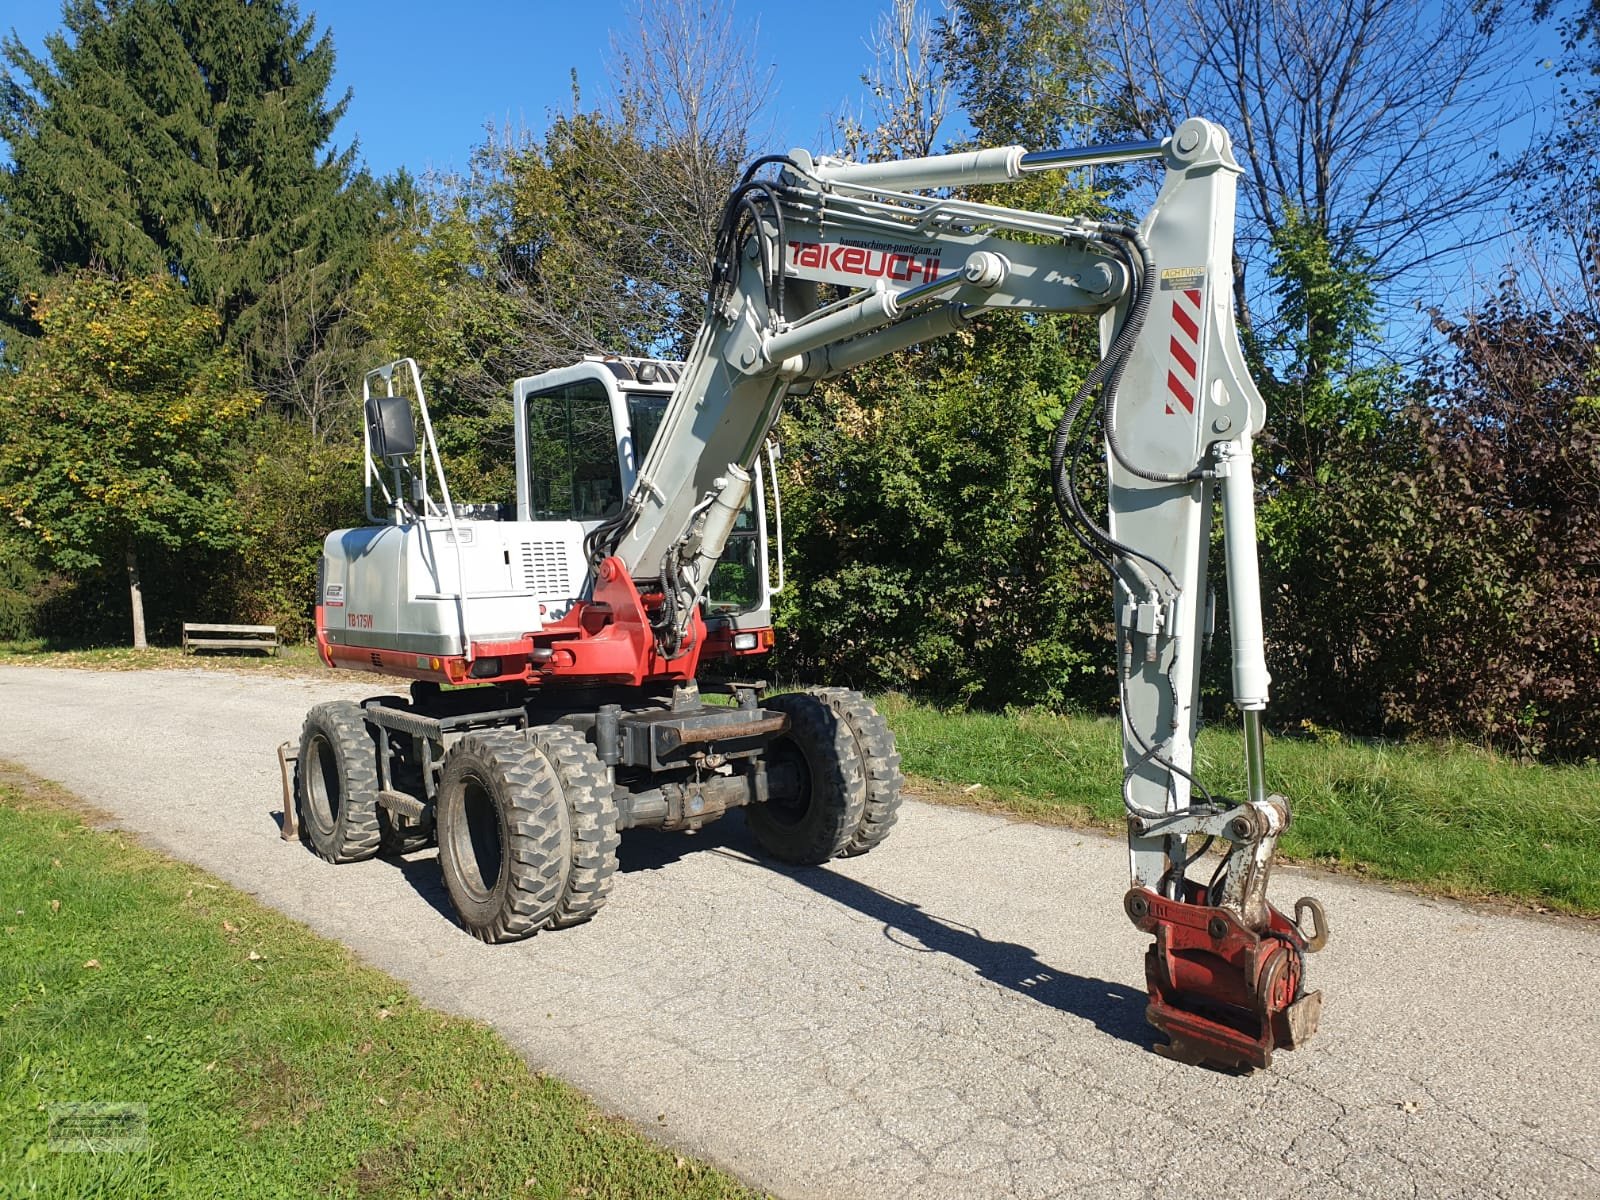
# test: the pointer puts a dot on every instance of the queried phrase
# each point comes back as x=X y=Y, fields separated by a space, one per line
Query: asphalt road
x=957 y=1014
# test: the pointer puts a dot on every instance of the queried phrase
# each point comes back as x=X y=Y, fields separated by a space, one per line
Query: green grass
x=1453 y=820
x=271 y=1063
x=290 y=660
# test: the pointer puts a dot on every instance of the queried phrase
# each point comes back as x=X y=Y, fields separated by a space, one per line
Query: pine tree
x=190 y=138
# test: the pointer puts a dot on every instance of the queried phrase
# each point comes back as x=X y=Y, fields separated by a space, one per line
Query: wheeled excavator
x=558 y=647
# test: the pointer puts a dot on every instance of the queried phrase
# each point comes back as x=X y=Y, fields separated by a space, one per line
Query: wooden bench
x=229 y=637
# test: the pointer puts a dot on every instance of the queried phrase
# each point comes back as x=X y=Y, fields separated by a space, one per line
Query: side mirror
x=390 y=429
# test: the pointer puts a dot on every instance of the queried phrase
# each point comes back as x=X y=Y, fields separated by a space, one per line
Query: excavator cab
x=582 y=432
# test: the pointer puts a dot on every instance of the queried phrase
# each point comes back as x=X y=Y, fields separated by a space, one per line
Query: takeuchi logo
x=870 y=264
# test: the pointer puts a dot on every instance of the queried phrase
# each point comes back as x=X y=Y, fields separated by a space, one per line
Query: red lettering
x=854 y=260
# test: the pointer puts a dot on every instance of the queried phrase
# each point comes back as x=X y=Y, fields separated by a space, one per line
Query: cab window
x=645 y=413
x=573 y=473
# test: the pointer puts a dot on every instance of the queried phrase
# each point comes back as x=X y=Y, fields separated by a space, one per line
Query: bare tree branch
x=1372 y=118
x=907 y=83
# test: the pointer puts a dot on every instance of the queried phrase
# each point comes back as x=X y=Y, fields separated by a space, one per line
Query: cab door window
x=736 y=584
x=573 y=473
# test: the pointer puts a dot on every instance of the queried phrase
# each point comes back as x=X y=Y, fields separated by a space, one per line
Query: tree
x=925 y=547
x=924 y=551
x=1457 y=593
x=908 y=83
x=1557 y=197
x=687 y=89
x=596 y=237
x=119 y=428
x=521 y=265
x=1024 y=71
x=191 y=138
x=1363 y=120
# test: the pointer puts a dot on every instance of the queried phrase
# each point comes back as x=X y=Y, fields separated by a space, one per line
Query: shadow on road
x=1113 y=1008
x=652 y=850
x=421 y=871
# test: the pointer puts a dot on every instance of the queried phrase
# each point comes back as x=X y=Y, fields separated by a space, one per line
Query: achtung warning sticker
x=1182 y=279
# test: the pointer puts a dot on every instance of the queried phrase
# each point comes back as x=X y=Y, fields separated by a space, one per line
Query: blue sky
x=428 y=76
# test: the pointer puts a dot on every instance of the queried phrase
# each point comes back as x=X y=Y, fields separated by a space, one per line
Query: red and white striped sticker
x=1183 y=374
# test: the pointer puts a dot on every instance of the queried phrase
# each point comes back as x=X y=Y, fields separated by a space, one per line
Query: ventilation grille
x=544 y=569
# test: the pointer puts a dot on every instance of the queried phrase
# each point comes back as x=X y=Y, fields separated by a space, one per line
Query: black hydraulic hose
x=1149 y=753
x=772 y=280
x=1108 y=370
x=767 y=160
x=604 y=538
x=740 y=204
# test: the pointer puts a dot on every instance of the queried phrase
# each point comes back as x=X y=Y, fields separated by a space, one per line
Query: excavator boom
x=825 y=265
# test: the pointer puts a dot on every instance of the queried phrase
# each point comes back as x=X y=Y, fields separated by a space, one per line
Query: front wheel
x=504 y=836
x=880 y=766
x=818 y=785
x=591 y=823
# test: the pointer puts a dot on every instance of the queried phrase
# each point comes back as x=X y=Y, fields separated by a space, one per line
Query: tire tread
x=591 y=819
x=357 y=834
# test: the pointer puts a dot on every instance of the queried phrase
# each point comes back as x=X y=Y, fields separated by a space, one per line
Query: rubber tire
x=831 y=813
x=514 y=792
x=591 y=821
x=336 y=784
x=880 y=762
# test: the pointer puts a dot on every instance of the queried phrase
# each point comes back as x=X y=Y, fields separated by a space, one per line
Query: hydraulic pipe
x=1250 y=678
x=998 y=165
x=842 y=356
x=720 y=518
x=1088 y=156
x=1001 y=164
x=1255 y=756
x=871 y=312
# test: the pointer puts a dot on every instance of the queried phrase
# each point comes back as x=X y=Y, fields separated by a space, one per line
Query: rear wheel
x=337 y=783
x=819 y=789
x=504 y=841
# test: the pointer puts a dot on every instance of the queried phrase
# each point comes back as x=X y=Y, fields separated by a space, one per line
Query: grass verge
x=289 y=661
x=1452 y=820
x=267 y=1060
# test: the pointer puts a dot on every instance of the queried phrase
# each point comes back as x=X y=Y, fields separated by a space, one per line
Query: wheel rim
x=323 y=789
x=788 y=808
x=475 y=840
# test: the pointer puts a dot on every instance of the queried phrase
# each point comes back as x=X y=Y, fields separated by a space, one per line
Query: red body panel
x=603 y=641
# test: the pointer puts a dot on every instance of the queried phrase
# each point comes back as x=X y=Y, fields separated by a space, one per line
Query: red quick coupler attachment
x=1227 y=995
